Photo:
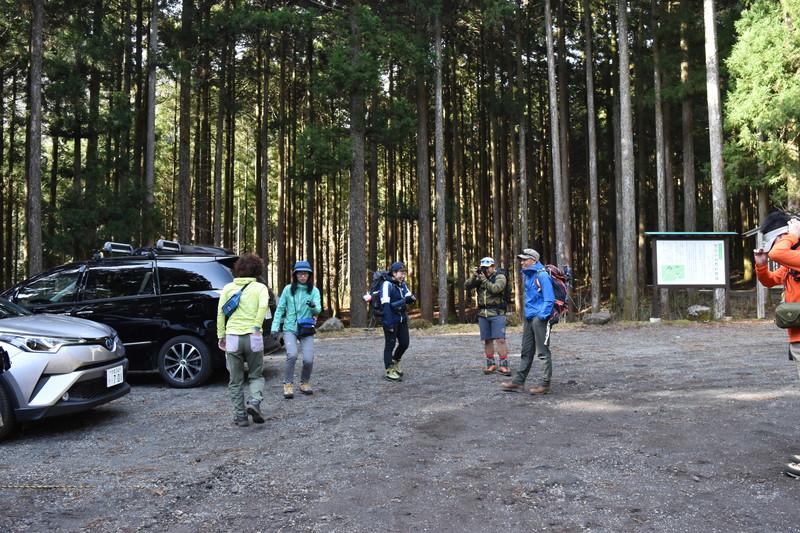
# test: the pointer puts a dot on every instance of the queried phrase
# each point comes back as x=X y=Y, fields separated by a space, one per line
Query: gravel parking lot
x=667 y=427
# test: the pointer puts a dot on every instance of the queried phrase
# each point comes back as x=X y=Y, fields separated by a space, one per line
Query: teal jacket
x=290 y=308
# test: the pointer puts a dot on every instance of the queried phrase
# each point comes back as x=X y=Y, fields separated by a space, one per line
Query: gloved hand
x=274 y=336
x=410 y=299
x=311 y=304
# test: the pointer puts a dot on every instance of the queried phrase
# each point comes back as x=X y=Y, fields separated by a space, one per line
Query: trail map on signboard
x=690 y=262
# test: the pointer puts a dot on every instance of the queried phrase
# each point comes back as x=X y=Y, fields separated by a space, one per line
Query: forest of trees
x=356 y=133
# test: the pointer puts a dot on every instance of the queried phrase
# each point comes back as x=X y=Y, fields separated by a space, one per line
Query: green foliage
x=322 y=150
x=762 y=108
x=393 y=121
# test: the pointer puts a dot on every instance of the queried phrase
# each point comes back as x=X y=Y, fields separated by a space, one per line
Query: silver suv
x=53 y=365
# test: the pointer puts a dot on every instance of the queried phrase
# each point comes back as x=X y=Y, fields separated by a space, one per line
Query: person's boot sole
x=307 y=392
x=791 y=474
x=258 y=418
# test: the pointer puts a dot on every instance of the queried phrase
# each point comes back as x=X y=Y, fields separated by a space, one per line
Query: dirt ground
x=667 y=427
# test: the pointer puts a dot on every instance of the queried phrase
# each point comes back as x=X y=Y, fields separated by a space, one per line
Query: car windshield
x=10 y=310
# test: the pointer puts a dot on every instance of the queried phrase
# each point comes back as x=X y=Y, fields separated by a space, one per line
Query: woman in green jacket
x=241 y=338
x=300 y=301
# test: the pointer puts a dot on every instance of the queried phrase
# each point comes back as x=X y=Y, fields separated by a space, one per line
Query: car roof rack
x=117 y=248
x=163 y=247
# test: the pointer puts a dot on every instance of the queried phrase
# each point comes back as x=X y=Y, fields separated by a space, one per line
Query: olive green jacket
x=491 y=300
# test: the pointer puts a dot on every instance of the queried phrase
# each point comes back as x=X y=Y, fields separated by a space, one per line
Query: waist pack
x=229 y=307
x=787 y=315
x=306 y=327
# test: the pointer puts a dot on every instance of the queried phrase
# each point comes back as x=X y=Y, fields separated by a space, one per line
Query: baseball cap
x=773 y=227
x=487 y=261
x=529 y=253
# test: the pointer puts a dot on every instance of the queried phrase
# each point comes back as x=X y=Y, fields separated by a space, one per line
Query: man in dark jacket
x=539 y=301
x=395 y=297
x=491 y=287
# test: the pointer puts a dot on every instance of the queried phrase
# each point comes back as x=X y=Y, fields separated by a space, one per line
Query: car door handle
x=86 y=312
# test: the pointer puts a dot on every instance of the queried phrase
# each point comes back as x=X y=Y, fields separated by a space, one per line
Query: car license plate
x=114 y=376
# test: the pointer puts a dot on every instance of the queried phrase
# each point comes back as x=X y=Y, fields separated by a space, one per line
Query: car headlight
x=39 y=344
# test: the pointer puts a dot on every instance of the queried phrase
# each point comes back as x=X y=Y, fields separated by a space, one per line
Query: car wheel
x=184 y=362
x=7 y=421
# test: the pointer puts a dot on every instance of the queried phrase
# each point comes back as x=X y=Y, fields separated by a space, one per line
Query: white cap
x=487 y=261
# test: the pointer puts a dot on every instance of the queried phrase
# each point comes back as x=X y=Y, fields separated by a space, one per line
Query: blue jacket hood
x=539 y=297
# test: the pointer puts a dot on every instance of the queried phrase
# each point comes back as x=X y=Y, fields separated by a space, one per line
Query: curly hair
x=248 y=266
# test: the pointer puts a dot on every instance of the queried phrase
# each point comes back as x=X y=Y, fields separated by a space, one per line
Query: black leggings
x=400 y=337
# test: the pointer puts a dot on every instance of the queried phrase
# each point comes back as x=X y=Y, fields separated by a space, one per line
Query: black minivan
x=162 y=302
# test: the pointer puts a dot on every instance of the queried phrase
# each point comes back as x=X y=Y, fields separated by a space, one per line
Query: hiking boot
x=540 y=389
x=794 y=458
x=396 y=365
x=510 y=386
x=391 y=374
x=254 y=410
x=305 y=388
x=503 y=368
x=241 y=420
x=288 y=391
x=490 y=367
x=792 y=470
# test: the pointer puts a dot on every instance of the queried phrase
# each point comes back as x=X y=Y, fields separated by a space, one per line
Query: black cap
x=773 y=227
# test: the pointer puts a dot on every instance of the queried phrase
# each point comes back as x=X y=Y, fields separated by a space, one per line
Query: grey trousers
x=235 y=361
x=306 y=345
x=535 y=345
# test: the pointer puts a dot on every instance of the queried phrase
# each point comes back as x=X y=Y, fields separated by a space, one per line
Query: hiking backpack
x=560 y=279
x=375 y=291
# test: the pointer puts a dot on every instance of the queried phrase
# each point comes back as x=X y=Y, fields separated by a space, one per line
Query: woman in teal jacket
x=299 y=300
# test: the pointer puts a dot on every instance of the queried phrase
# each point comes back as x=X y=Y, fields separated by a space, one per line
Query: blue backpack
x=229 y=307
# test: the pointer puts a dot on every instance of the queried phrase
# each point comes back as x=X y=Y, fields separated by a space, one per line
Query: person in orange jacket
x=782 y=245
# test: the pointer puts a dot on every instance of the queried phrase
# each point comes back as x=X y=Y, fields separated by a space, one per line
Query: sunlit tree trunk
x=630 y=289
x=184 y=143
x=718 y=193
x=424 y=191
x=594 y=198
x=661 y=170
x=561 y=204
x=357 y=260
x=441 y=241
x=150 y=151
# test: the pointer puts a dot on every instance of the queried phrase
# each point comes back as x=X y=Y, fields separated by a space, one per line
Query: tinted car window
x=191 y=277
x=115 y=281
x=57 y=287
x=9 y=310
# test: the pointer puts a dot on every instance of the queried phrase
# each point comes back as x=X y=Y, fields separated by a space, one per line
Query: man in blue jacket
x=536 y=330
x=395 y=297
